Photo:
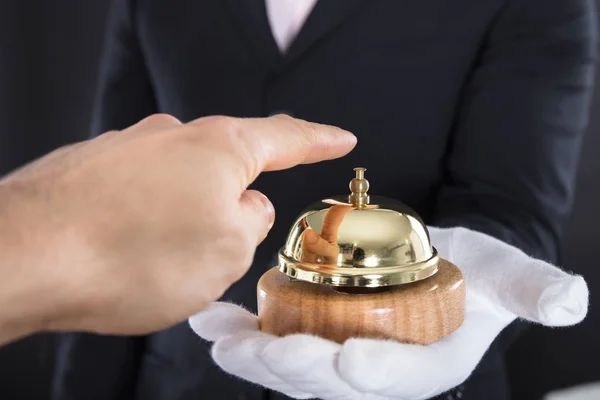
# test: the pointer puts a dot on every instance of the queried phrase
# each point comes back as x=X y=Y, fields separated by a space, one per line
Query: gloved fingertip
x=365 y=364
x=309 y=364
x=241 y=352
x=222 y=319
x=564 y=303
x=400 y=370
x=298 y=352
x=241 y=355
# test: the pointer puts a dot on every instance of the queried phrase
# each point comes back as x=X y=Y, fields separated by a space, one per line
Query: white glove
x=502 y=284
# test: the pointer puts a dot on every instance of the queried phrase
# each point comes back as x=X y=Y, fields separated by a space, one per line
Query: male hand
x=502 y=284
x=135 y=230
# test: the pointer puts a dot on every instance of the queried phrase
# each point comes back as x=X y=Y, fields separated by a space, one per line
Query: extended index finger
x=285 y=142
x=281 y=142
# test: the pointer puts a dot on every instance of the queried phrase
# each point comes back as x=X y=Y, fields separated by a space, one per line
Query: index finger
x=281 y=142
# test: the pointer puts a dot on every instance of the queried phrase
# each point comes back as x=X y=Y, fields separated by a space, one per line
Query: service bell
x=361 y=266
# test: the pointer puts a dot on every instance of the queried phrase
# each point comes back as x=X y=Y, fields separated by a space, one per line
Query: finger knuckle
x=283 y=117
x=226 y=130
x=163 y=119
x=309 y=131
x=225 y=125
x=235 y=138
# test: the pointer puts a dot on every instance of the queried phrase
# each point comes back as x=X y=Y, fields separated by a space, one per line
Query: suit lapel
x=324 y=18
x=251 y=18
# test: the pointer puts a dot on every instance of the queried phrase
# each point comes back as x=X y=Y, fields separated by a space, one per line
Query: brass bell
x=361 y=266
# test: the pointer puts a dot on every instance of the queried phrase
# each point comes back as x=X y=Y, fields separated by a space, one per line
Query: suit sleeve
x=512 y=161
x=96 y=367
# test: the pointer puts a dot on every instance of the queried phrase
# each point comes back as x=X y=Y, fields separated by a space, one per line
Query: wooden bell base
x=421 y=312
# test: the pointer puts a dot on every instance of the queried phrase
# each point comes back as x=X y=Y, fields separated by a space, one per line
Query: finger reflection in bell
x=315 y=249
x=323 y=248
x=332 y=221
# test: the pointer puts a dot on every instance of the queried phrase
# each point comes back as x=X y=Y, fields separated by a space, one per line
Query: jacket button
x=457 y=393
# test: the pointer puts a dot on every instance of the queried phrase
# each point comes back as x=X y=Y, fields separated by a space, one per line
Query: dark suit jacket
x=472 y=112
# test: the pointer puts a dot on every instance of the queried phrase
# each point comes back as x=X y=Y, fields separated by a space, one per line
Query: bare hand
x=134 y=231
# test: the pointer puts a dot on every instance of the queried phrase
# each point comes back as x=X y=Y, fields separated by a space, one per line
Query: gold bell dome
x=358 y=240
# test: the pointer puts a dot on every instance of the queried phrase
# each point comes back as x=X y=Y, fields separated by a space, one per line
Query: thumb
x=258 y=214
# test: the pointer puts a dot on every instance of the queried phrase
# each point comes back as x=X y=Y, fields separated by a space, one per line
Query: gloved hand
x=502 y=284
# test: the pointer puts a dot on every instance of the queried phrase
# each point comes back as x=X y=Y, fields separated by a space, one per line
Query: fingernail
x=348 y=136
x=270 y=210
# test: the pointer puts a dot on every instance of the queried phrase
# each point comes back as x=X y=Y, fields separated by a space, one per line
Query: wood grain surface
x=420 y=312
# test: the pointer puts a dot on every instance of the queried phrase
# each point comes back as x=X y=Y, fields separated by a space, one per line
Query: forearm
x=16 y=291
x=31 y=294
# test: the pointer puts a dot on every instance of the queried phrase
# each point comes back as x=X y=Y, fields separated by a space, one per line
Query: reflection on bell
x=361 y=266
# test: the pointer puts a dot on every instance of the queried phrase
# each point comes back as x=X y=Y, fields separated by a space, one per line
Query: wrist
x=29 y=265
x=13 y=324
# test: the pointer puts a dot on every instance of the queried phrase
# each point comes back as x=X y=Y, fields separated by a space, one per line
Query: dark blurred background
x=49 y=52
